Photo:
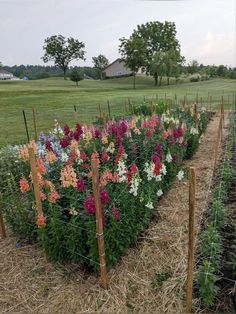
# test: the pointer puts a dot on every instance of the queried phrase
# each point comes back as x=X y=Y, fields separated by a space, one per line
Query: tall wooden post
x=191 y=234
x=219 y=136
x=26 y=125
x=99 y=224
x=35 y=179
x=35 y=126
x=2 y=227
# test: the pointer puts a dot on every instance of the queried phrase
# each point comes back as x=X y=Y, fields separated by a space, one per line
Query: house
x=116 y=69
x=5 y=75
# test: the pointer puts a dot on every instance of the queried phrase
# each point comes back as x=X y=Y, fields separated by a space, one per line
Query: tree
x=158 y=66
x=133 y=53
x=193 y=67
x=76 y=76
x=221 y=70
x=172 y=61
x=100 y=62
x=158 y=37
x=62 y=51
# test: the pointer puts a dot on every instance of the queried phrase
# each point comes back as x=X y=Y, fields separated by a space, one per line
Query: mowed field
x=54 y=98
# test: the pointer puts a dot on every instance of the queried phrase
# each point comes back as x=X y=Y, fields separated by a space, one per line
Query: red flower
x=157 y=168
x=85 y=166
x=104 y=197
x=97 y=133
x=133 y=169
x=48 y=145
x=105 y=156
x=121 y=150
x=79 y=129
x=83 y=156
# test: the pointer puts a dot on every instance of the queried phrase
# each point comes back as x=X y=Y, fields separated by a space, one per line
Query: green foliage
x=76 y=76
x=160 y=278
x=100 y=62
x=206 y=283
x=217 y=214
x=62 y=51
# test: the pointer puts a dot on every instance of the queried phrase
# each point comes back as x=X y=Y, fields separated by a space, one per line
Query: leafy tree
x=221 y=70
x=76 y=76
x=157 y=36
x=172 y=61
x=193 y=67
x=62 y=51
x=100 y=62
x=158 y=66
x=133 y=53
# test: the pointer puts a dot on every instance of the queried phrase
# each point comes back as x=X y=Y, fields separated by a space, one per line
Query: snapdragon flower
x=180 y=175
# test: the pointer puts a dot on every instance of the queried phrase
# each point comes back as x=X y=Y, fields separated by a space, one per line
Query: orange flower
x=24 y=185
x=51 y=157
x=43 y=196
x=68 y=176
x=74 y=144
x=49 y=185
x=40 y=166
x=41 y=221
x=24 y=153
x=33 y=145
x=53 y=197
x=90 y=174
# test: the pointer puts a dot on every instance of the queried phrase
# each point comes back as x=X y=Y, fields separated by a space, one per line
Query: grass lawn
x=54 y=98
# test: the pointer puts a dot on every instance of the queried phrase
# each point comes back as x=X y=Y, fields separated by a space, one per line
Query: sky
x=206 y=29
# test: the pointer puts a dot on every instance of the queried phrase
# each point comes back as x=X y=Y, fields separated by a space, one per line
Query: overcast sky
x=205 y=28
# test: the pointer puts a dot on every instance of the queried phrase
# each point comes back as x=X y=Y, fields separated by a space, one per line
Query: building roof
x=119 y=60
x=2 y=71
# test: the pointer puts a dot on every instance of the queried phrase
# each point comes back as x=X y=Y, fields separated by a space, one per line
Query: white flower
x=193 y=131
x=169 y=158
x=180 y=175
x=64 y=157
x=149 y=168
x=134 y=185
x=159 y=193
x=163 y=170
x=158 y=178
x=149 y=205
x=121 y=169
x=73 y=211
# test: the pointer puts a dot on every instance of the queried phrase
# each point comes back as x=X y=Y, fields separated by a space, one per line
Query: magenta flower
x=64 y=142
x=116 y=213
x=66 y=130
x=81 y=186
x=89 y=205
x=104 y=196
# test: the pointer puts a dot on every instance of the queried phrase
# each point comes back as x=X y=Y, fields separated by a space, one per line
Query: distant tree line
x=35 y=72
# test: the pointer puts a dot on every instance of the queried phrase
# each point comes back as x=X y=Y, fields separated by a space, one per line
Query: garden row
x=138 y=157
x=218 y=221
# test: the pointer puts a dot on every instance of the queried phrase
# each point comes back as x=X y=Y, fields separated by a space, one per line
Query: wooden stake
x=26 y=126
x=35 y=126
x=35 y=179
x=191 y=234
x=75 y=109
x=219 y=135
x=2 y=227
x=99 y=224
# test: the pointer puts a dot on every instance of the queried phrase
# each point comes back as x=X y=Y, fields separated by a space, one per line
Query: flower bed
x=138 y=160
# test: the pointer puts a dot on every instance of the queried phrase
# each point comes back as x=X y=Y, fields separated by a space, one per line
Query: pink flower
x=89 y=205
x=53 y=197
x=24 y=185
x=104 y=196
x=133 y=169
x=41 y=221
x=116 y=213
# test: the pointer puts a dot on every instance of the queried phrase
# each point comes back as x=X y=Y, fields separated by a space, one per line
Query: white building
x=5 y=75
x=116 y=69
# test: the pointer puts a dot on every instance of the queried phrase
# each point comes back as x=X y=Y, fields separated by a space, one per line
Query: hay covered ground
x=149 y=279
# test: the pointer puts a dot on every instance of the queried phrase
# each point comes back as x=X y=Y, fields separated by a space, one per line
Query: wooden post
x=191 y=234
x=222 y=111
x=26 y=126
x=35 y=126
x=109 y=109
x=219 y=135
x=2 y=227
x=75 y=109
x=99 y=224
x=35 y=179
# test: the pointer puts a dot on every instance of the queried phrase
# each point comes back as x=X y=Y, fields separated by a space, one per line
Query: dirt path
x=29 y=284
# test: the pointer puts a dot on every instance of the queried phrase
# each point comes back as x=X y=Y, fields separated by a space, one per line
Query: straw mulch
x=28 y=283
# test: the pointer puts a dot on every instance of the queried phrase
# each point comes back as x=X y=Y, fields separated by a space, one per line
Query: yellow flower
x=51 y=157
x=68 y=176
x=104 y=140
x=88 y=136
x=74 y=144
